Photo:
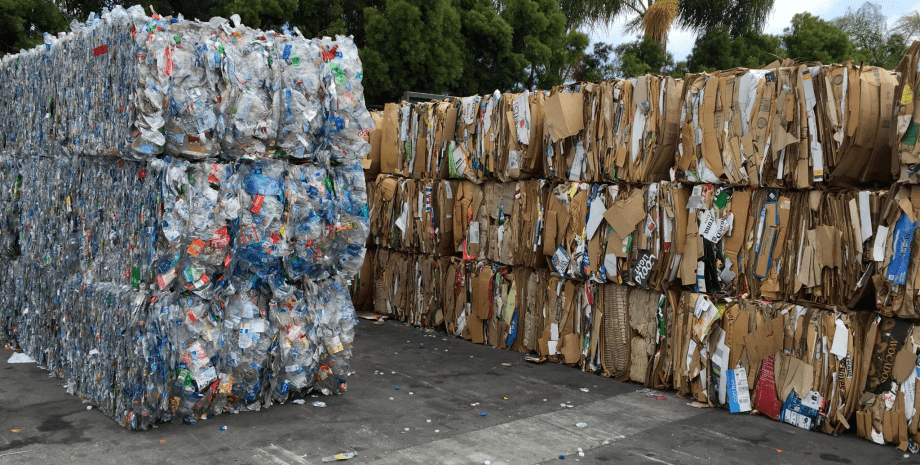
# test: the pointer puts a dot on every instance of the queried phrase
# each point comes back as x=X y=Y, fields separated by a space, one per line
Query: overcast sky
x=680 y=43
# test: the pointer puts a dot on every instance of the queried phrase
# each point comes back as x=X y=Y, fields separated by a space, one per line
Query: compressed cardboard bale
x=896 y=263
x=616 y=330
x=904 y=129
x=712 y=245
x=422 y=133
x=409 y=287
x=653 y=108
x=510 y=223
x=802 y=363
x=413 y=215
x=591 y=228
x=856 y=105
x=563 y=127
x=464 y=154
x=887 y=409
x=725 y=126
x=518 y=134
x=643 y=319
x=362 y=284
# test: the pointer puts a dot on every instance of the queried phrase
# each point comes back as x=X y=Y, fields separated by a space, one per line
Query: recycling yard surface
x=419 y=397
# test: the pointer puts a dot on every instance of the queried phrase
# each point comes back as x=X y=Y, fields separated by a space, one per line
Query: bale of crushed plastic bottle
x=183 y=208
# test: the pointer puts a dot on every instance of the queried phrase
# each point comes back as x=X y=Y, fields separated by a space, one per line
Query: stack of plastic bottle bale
x=182 y=210
x=743 y=237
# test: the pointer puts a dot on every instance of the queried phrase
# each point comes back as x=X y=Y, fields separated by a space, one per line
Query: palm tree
x=654 y=18
x=908 y=25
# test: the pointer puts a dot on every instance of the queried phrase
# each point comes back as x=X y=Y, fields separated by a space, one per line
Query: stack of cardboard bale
x=731 y=235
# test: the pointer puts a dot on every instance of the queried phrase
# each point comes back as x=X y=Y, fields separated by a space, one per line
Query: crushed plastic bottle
x=341 y=456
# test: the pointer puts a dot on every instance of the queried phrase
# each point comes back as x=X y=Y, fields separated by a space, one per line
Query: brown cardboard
x=564 y=115
x=735 y=325
x=571 y=348
x=389 y=148
x=624 y=215
x=767 y=240
x=792 y=373
x=765 y=341
x=691 y=253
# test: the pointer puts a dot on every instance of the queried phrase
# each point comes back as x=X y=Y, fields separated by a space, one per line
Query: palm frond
x=658 y=19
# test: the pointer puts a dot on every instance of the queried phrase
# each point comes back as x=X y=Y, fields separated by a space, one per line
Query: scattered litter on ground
x=342 y=456
x=20 y=357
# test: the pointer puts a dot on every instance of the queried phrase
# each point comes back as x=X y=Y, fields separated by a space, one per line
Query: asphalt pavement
x=419 y=397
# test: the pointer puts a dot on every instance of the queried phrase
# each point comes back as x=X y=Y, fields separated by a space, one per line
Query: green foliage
x=411 y=45
x=895 y=48
x=459 y=47
x=739 y=16
x=585 y=12
x=489 y=62
x=598 y=65
x=641 y=57
x=680 y=70
x=22 y=23
x=717 y=49
x=811 y=38
x=541 y=37
x=318 y=18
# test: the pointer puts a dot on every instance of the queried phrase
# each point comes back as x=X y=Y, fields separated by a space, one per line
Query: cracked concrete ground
x=435 y=417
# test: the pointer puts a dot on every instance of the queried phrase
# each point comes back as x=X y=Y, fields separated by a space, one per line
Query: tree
x=22 y=23
x=263 y=14
x=867 y=29
x=654 y=18
x=598 y=65
x=810 y=38
x=717 y=49
x=489 y=62
x=680 y=70
x=895 y=48
x=541 y=37
x=318 y=18
x=411 y=45
x=640 y=57
x=908 y=26
x=190 y=9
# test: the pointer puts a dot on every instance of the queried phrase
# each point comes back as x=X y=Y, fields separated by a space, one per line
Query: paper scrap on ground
x=20 y=357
